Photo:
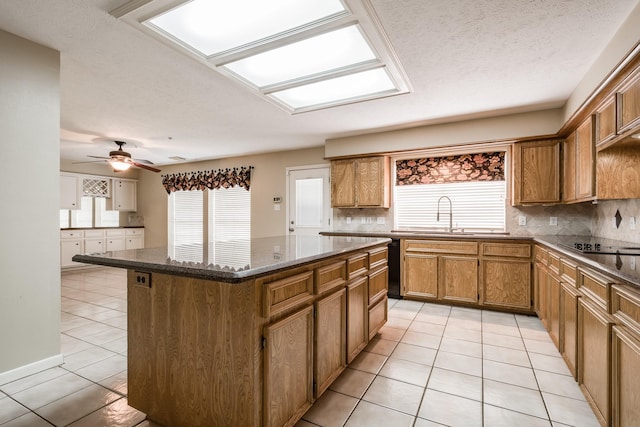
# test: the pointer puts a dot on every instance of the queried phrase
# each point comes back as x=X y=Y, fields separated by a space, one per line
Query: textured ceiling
x=463 y=58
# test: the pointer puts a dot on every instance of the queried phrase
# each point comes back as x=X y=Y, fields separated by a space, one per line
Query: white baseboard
x=30 y=369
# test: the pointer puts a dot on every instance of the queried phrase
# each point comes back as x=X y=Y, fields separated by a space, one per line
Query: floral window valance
x=441 y=170
x=212 y=180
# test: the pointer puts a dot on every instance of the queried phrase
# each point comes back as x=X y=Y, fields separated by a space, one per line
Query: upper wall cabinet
x=70 y=186
x=605 y=122
x=124 y=195
x=360 y=183
x=579 y=164
x=628 y=103
x=536 y=172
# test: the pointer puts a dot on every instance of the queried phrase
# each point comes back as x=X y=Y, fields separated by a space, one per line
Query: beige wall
x=268 y=179
x=507 y=127
x=29 y=242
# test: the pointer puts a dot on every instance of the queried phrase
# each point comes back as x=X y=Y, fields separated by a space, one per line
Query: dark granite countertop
x=233 y=261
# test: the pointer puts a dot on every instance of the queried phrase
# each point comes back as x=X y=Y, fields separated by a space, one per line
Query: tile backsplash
x=604 y=220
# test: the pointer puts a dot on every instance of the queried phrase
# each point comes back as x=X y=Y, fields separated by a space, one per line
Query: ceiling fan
x=120 y=160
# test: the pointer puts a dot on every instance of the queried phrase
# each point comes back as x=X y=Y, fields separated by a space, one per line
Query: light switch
x=553 y=220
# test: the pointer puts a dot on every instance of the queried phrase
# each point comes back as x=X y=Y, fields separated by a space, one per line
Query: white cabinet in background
x=124 y=195
x=69 y=191
x=134 y=238
x=71 y=243
x=115 y=239
x=94 y=241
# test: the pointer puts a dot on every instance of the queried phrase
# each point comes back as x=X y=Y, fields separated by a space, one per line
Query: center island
x=246 y=333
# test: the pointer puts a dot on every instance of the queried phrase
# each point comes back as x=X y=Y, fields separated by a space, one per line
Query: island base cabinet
x=594 y=357
x=330 y=352
x=192 y=347
x=377 y=317
x=626 y=387
x=288 y=373
x=357 y=317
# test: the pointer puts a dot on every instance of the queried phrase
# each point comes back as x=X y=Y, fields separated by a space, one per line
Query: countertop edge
x=109 y=260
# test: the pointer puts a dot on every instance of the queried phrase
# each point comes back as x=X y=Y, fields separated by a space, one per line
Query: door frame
x=287 y=191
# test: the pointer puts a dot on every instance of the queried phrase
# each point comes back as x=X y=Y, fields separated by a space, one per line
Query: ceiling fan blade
x=146 y=162
x=140 y=165
x=89 y=161
x=99 y=157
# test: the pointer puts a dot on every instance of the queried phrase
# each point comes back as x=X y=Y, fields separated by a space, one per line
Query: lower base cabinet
x=569 y=327
x=594 y=357
x=330 y=340
x=459 y=279
x=357 y=317
x=626 y=387
x=288 y=373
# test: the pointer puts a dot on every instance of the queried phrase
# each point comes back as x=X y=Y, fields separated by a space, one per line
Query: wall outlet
x=632 y=222
x=632 y=262
x=348 y=220
x=522 y=220
x=380 y=220
x=369 y=220
x=363 y=220
x=553 y=220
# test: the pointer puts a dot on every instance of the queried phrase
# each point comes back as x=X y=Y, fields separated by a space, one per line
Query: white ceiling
x=463 y=58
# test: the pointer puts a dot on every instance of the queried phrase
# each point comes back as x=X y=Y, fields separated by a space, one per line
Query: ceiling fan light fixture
x=119 y=165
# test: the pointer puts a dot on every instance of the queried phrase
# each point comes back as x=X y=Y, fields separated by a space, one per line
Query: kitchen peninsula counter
x=247 y=333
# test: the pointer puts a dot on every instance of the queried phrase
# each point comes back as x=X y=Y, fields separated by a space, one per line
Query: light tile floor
x=431 y=365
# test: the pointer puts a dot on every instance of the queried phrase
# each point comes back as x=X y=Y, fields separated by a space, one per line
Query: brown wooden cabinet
x=628 y=103
x=420 y=276
x=288 y=368
x=569 y=315
x=585 y=179
x=625 y=411
x=357 y=317
x=536 y=172
x=618 y=173
x=330 y=340
x=378 y=287
x=458 y=278
x=569 y=169
x=505 y=270
x=605 y=122
x=594 y=342
x=553 y=298
x=360 y=183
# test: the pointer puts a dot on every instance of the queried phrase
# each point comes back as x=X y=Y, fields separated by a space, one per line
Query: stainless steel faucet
x=450 y=212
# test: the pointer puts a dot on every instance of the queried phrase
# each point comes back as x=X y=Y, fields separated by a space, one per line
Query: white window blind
x=230 y=221
x=476 y=205
x=185 y=218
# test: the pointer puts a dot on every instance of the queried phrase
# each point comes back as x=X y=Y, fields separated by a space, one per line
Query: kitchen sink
x=454 y=232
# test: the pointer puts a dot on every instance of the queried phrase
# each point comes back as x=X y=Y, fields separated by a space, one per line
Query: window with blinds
x=230 y=227
x=186 y=230
x=475 y=184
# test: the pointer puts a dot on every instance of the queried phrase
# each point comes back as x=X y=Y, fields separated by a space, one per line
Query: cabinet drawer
x=287 y=293
x=378 y=284
x=71 y=234
x=377 y=317
x=568 y=272
x=596 y=287
x=357 y=265
x=445 y=247
x=625 y=306
x=97 y=234
x=129 y=232
x=330 y=276
x=517 y=250
x=554 y=263
x=378 y=258
x=116 y=232
x=542 y=255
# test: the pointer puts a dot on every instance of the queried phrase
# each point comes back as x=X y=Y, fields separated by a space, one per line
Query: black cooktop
x=595 y=246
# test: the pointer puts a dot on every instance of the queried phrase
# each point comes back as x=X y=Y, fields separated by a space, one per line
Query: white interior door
x=309 y=200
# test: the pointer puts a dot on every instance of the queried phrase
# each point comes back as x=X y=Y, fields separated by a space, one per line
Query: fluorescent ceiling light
x=346 y=88
x=299 y=55
x=214 y=26
x=322 y=53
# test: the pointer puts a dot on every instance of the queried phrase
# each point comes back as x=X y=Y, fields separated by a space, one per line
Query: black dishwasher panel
x=394 y=269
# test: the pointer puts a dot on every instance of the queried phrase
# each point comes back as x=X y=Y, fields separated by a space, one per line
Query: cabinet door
x=288 y=371
x=377 y=317
x=585 y=161
x=343 y=184
x=459 y=278
x=553 y=308
x=371 y=185
x=536 y=172
x=378 y=284
x=628 y=103
x=594 y=353
x=569 y=326
x=569 y=173
x=420 y=276
x=331 y=329
x=626 y=388
x=124 y=195
x=134 y=242
x=357 y=317
x=506 y=283
x=541 y=292
x=69 y=248
x=69 y=192
x=605 y=122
